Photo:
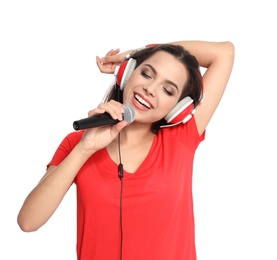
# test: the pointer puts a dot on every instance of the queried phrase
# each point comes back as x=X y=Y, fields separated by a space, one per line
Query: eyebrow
x=167 y=81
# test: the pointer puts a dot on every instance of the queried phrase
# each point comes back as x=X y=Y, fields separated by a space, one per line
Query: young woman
x=134 y=180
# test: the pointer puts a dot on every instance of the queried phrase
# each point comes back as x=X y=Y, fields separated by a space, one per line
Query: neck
x=136 y=133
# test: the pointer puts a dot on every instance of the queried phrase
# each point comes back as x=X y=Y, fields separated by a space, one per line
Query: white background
x=49 y=78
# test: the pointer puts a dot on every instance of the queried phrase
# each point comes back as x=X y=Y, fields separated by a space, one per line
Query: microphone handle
x=98 y=120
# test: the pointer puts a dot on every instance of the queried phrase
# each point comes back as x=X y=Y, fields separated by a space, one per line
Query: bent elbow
x=230 y=48
x=26 y=226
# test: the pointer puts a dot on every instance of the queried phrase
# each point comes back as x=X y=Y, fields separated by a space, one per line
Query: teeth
x=142 y=101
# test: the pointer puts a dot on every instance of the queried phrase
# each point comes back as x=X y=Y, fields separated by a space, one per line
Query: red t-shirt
x=157 y=205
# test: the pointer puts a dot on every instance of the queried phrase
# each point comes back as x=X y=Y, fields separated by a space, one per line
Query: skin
x=159 y=81
x=136 y=138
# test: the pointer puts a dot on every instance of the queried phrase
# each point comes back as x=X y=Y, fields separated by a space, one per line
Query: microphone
x=104 y=119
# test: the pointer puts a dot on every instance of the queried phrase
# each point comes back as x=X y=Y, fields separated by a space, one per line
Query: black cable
x=120 y=175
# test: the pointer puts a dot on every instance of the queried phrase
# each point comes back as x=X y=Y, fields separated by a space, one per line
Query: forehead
x=168 y=67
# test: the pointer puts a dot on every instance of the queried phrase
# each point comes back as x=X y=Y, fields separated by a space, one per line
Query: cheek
x=167 y=102
x=165 y=108
x=127 y=93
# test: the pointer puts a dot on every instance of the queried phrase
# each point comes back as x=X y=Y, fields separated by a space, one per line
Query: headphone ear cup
x=124 y=71
x=182 y=112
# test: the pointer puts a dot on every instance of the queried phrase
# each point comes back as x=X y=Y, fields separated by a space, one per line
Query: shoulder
x=72 y=139
x=186 y=133
x=65 y=147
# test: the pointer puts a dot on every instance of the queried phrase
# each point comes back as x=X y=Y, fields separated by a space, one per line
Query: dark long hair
x=193 y=87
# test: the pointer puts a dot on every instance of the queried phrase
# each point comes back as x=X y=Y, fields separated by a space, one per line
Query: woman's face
x=155 y=87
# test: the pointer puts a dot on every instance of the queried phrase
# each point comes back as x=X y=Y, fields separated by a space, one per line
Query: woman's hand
x=112 y=59
x=97 y=138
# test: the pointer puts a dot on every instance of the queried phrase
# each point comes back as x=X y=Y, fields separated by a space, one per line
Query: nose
x=150 y=89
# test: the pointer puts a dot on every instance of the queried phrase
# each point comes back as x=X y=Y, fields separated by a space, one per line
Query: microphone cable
x=119 y=94
x=120 y=175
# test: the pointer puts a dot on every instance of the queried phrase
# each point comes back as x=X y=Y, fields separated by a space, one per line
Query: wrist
x=83 y=152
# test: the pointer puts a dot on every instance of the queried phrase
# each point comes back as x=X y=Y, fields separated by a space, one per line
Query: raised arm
x=218 y=59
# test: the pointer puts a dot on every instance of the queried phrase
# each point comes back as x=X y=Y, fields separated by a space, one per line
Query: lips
x=143 y=102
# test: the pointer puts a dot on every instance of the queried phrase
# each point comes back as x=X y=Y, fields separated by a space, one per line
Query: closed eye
x=168 y=91
x=145 y=75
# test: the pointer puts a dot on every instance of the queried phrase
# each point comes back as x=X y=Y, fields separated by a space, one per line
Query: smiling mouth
x=142 y=101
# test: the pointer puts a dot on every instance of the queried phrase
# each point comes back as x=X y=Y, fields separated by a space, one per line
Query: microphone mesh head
x=129 y=114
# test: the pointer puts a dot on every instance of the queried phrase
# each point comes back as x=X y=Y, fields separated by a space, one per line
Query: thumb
x=116 y=129
x=119 y=126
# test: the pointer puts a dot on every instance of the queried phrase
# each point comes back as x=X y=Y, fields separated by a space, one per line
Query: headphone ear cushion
x=182 y=112
x=124 y=71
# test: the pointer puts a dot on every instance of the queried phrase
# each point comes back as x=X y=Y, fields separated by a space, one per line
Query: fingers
x=105 y=68
x=108 y=63
x=119 y=126
x=112 y=59
x=114 y=108
x=112 y=52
